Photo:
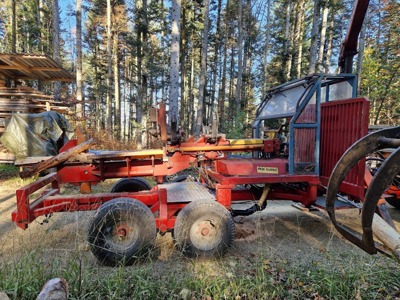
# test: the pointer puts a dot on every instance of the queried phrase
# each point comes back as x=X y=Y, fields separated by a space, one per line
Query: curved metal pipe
x=260 y=205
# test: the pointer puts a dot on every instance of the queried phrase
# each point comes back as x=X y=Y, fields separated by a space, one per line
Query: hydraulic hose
x=260 y=205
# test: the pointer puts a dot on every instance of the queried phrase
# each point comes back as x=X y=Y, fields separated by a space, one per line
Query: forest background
x=201 y=57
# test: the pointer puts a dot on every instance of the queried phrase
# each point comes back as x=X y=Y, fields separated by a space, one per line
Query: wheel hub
x=205 y=228
x=122 y=236
x=205 y=234
x=204 y=231
x=122 y=232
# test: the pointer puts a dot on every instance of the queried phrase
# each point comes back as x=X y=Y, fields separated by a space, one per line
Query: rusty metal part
x=379 y=183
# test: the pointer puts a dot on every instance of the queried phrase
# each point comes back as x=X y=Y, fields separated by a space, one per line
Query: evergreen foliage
x=269 y=43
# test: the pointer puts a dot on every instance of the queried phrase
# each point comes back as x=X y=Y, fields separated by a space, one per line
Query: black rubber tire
x=134 y=184
x=393 y=201
x=121 y=231
x=216 y=225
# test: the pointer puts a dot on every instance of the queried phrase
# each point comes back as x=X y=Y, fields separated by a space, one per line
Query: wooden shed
x=24 y=99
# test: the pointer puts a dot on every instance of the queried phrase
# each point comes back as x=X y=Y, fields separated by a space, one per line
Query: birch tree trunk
x=56 y=44
x=99 y=116
x=13 y=27
x=240 y=59
x=145 y=51
x=183 y=113
x=299 y=36
x=216 y=58
x=324 y=22
x=140 y=24
x=286 y=65
x=203 y=71
x=39 y=24
x=192 y=115
x=266 y=47
x=297 y=51
x=79 y=87
x=246 y=90
x=40 y=17
x=247 y=84
x=379 y=33
x=109 y=70
x=117 y=93
x=231 y=108
x=314 y=37
x=222 y=89
x=361 y=48
x=174 y=72
x=164 y=56
x=329 y=44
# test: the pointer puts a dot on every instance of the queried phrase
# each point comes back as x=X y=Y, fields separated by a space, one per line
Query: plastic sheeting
x=41 y=134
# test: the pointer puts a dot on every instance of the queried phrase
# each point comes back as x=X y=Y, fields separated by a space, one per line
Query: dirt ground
x=280 y=233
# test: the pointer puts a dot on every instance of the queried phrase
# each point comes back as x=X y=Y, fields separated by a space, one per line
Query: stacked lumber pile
x=24 y=99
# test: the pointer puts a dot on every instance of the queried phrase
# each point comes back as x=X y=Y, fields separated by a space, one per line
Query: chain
x=203 y=173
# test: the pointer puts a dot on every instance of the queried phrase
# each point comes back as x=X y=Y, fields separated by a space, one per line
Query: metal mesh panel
x=304 y=153
x=343 y=123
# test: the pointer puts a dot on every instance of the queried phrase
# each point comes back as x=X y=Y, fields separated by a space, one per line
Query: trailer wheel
x=121 y=231
x=204 y=228
x=134 y=184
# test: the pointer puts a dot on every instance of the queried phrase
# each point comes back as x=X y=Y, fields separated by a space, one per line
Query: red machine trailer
x=291 y=162
x=309 y=139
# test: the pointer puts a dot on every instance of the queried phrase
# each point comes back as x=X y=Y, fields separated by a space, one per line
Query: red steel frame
x=299 y=188
x=226 y=194
x=180 y=157
x=50 y=201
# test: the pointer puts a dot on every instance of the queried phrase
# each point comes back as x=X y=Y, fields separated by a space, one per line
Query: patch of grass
x=8 y=171
x=226 y=278
x=9 y=177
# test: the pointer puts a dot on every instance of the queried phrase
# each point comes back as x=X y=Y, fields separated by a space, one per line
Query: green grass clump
x=8 y=171
x=226 y=278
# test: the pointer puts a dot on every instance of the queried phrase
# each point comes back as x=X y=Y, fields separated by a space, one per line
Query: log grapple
x=382 y=180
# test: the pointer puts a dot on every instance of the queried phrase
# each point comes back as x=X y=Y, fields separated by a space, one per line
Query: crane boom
x=349 y=45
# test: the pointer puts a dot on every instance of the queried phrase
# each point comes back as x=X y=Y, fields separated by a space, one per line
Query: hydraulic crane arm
x=349 y=46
